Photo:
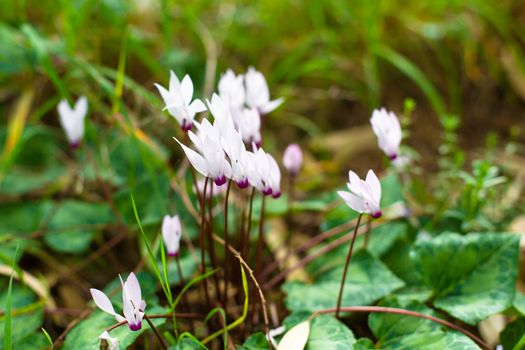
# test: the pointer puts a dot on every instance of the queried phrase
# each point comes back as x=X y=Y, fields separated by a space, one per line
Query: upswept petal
x=102 y=301
x=197 y=106
x=375 y=185
x=270 y=106
x=196 y=160
x=81 y=107
x=186 y=87
x=353 y=201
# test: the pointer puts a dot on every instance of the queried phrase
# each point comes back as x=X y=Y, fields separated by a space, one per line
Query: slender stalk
x=202 y=242
x=211 y=246
x=246 y=249
x=260 y=240
x=347 y=263
x=307 y=259
x=156 y=331
x=368 y=232
x=393 y=310
x=226 y=277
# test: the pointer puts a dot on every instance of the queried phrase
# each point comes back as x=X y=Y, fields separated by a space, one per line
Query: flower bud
x=293 y=159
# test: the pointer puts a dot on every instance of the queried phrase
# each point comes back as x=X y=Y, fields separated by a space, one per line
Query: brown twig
x=156 y=331
x=252 y=277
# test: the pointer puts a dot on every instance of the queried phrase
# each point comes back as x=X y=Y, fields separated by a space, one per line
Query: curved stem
x=347 y=263
x=393 y=310
x=325 y=249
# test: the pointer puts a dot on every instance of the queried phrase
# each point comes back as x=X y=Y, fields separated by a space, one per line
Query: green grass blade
x=414 y=73
x=191 y=283
x=240 y=319
x=151 y=256
x=49 y=340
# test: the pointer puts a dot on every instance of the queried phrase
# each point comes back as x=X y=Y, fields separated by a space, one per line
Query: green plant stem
x=393 y=310
x=156 y=331
x=226 y=255
x=347 y=263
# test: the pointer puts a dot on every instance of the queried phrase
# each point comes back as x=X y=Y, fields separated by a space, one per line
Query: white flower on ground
x=293 y=159
x=258 y=94
x=365 y=195
x=72 y=119
x=133 y=305
x=178 y=101
x=388 y=131
x=110 y=342
x=231 y=89
x=171 y=234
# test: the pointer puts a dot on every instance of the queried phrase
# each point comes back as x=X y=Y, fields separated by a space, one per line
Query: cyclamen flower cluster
x=219 y=151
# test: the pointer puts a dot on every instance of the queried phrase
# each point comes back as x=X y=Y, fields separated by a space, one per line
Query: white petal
x=375 y=185
x=197 y=106
x=196 y=160
x=133 y=289
x=164 y=94
x=81 y=107
x=174 y=83
x=186 y=87
x=102 y=301
x=270 y=106
x=296 y=338
x=354 y=202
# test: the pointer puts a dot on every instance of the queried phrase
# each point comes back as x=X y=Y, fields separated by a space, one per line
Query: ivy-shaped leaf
x=398 y=332
x=368 y=280
x=472 y=276
x=74 y=224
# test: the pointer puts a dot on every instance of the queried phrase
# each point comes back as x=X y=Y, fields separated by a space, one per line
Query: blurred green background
x=333 y=60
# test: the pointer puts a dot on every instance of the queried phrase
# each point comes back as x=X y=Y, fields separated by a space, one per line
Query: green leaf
x=256 y=341
x=75 y=223
x=28 y=316
x=367 y=281
x=395 y=331
x=519 y=302
x=363 y=344
x=328 y=333
x=473 y=276
x=512 y=334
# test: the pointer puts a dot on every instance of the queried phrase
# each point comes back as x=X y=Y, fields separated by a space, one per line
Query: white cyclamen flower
x=265 y=174
x=178 y=101
x=231 y=89
x=293 y=159
x=388 y=131
x=258 y=94
x=171 y=234
x=211 y=160
x=133 y=305
x=110 y=342
x=248 y=122
x=365 y=195
x=72 y=119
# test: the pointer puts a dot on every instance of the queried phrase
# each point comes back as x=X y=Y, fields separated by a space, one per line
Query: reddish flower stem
x=156 y=331
x=347 y=263
x=226 y=243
